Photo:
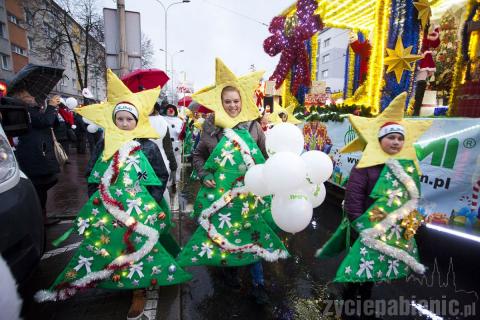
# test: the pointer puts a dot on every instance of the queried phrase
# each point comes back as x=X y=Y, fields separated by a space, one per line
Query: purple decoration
x=289 y=36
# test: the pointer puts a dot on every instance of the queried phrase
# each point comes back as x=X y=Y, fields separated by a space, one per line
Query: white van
x=22 y=234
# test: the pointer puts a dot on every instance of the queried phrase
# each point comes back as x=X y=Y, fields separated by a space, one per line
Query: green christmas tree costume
x=233 y=230
x=386 y=248
x=188 y=141
x=122 y=225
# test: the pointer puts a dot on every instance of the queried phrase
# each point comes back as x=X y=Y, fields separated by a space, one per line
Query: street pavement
x=297 y=286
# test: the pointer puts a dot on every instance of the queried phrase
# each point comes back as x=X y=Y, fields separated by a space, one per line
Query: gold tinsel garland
x=351 y=72
x=313 y=57
x=459 y=72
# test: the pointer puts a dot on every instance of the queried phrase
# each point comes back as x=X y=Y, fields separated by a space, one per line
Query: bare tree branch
x=67 y=26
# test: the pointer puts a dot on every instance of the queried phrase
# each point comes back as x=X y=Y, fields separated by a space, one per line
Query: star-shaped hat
x=368 y=130
x=102 y=114
x=277 y=110
x=211 y=95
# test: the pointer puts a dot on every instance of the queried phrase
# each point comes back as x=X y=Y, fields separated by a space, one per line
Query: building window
x=72 y=64
x=74 y=82
x=28 y=17
x=326 y=42
x=3 y=30
x=5 y=61
x=13 y=19
x=19 y=50
x=30 y=43
x=326 y=58
x=62 y=82
x=325 y=74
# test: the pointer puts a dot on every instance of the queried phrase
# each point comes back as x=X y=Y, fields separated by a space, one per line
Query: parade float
x=428 y=49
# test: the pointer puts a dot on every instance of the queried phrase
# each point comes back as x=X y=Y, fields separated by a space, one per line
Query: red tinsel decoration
x=126 y=238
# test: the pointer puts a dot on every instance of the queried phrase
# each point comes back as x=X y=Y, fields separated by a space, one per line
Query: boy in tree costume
x=126 y=217
x=233 y=230
x=387 y=172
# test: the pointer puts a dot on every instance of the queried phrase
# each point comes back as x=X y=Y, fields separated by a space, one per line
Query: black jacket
x=151 y=151
x=35 y=152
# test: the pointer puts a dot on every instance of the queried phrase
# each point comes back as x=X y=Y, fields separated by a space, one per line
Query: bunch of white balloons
x=295 y=179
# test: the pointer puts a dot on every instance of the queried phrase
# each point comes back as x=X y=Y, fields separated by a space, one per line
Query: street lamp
x=165 y=9
x=171 y=65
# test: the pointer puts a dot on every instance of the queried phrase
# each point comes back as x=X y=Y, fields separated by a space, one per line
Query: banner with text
x=449 y=159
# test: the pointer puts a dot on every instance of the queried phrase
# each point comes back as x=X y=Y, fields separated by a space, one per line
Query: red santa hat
x=390 y=127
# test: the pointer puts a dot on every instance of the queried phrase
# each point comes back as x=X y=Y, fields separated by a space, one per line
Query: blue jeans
x=256 y=270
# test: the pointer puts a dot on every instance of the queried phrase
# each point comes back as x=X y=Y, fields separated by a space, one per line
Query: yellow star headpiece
x=275 y=116
x=424 y=11
x=102 y=114
x=368 y=128
x=211 y=95
x=400 y=59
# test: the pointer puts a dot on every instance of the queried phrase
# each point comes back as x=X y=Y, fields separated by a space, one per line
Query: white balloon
x=92 y=128
x=292 y=212
x=319 y=166
x=255 y=180
x=284 y=137
x=316 y=194
x=285 y=171
x=71 y=103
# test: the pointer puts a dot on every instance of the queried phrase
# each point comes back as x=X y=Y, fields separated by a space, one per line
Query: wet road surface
x=296 y=286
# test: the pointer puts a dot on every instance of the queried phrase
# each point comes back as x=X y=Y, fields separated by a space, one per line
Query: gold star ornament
x=400 y=59
x=368 y=128
x=424 y=11
x=102 y=114
x=211 y=98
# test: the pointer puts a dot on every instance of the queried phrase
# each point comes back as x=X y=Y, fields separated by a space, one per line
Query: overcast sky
x=205 y=31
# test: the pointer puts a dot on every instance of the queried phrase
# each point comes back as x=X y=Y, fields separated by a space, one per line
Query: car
x=22 y=234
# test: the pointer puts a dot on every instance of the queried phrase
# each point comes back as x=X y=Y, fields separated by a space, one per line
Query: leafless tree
x=147 y=51
x=73 y=26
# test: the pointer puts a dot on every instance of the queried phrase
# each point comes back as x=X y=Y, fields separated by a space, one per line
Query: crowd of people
x=135 y=160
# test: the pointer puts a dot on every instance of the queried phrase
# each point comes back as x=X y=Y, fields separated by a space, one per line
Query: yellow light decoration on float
x=459 y=70
x=365 y=16
x=351 y=72
x=314 y=58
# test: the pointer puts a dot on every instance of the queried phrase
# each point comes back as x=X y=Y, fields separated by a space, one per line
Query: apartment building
x=22 y=41
x=332 y=48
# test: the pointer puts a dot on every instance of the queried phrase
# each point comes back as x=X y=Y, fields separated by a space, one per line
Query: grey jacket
x=211 y=136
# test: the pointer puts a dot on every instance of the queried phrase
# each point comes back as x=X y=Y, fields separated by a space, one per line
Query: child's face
x=392 y=143
x=125 y=120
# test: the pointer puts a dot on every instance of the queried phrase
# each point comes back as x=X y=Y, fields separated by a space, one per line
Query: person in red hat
x=361 y=182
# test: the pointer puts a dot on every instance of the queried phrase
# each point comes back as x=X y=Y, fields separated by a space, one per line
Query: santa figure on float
x=429 y=43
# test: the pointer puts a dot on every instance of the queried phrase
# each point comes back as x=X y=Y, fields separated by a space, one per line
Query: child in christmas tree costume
x=126 y=217
x=232 y=231
x=380 y=202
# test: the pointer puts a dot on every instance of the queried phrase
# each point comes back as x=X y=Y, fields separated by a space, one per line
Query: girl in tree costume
x=387 y=172
x=126 y=220
x=233 y=231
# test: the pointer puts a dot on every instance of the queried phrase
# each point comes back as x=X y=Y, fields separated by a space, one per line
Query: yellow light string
x=351 y=72
x=459 y=71
x=360 y=8
x=363 y=22
x=376 y=61
x=314 y=46
x=287 y=96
